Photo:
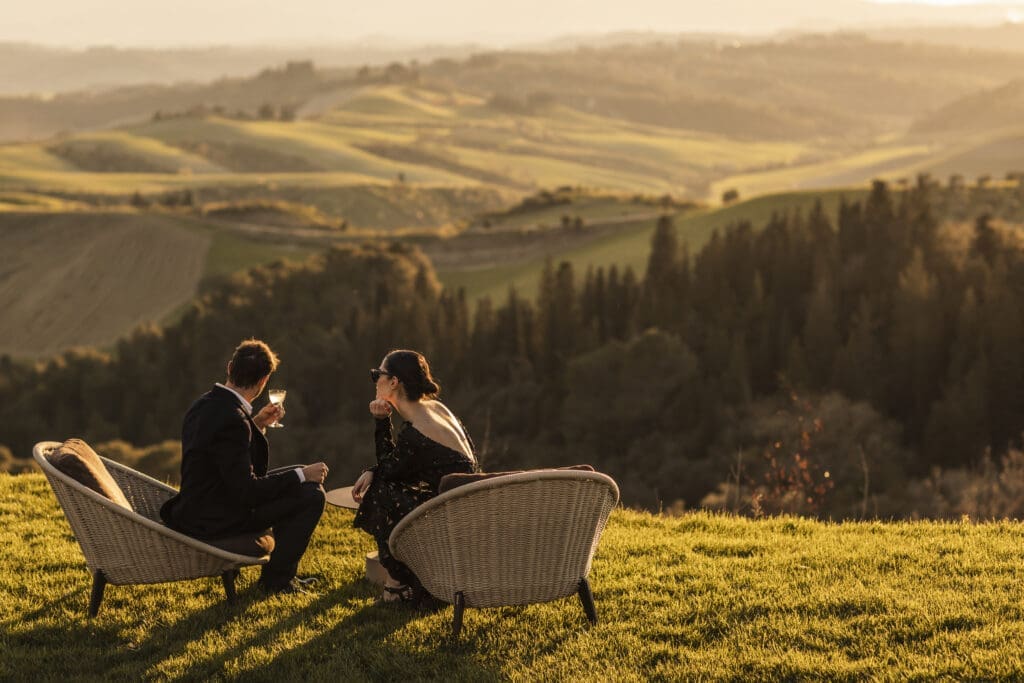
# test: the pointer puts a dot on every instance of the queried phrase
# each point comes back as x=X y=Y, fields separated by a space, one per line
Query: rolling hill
x=89 y=278
x=624 y=242
x=985 y=111
x=109 y=272
x=804 y=87
x=243 y=171
x=387 y=135
x=691 y=119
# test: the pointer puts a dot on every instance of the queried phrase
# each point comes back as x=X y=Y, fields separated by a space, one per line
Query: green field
x=89 y=278
x=629 y=243
x=385 y=134
x=697 y=597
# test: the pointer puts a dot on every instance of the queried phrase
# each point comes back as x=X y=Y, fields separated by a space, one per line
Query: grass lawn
x=689 y=598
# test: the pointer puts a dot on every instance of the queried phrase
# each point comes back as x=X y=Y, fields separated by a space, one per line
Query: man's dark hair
x=253 y=360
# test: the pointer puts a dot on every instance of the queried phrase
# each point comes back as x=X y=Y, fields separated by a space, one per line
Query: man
x=226 y=489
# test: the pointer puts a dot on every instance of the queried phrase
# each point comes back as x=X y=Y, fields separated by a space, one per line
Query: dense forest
x=866 y=364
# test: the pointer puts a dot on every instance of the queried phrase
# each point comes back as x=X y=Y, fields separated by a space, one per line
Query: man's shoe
x=292 y=586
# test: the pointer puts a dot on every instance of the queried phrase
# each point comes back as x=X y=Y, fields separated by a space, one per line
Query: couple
x=227 y=488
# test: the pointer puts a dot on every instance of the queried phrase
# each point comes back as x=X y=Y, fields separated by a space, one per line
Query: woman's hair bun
x=413 y=371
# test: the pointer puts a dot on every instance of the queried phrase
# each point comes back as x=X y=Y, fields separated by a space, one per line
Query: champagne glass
x=277 y=398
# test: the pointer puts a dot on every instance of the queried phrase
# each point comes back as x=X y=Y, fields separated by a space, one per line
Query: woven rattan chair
x=510 y=540
x=125 y=547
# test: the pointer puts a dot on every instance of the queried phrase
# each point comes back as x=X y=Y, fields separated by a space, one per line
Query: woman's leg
x=398 y=572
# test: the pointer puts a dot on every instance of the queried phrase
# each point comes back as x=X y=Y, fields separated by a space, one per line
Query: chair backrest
x=510 y=540
x=132 y=546
x=89 y=513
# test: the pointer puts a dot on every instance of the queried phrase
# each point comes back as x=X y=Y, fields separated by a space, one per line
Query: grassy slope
x=87 y=279
x=696 y=597
x=630 y=244
x=971 y=155
x=376 y=133
x=451 y=140
x=108 y=272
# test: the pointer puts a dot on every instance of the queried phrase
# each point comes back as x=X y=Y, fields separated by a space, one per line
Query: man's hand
x=362 y=483
x=268 y=415
x=316 y=472
x=380 y=408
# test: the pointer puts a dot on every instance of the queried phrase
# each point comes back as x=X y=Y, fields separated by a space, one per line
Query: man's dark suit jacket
x=224 y=460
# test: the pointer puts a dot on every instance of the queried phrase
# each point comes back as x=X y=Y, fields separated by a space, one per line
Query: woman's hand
x=380 y=408
x=362 y=483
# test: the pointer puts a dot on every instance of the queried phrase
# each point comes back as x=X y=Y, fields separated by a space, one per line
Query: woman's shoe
x=399 y=594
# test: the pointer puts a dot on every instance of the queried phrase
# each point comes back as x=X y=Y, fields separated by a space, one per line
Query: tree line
x=814 y=364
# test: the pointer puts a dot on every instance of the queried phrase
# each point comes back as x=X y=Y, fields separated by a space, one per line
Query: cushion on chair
x=255 y=544
x=451 y=481
x=79 y=461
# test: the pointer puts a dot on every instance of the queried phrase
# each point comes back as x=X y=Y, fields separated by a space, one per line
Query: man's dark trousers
x=293 y=520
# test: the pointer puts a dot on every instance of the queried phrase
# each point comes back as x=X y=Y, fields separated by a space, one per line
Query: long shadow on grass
x=140 y=636
x=48 y=607
x=361 y=647
x=129 y=635
x=357 y=646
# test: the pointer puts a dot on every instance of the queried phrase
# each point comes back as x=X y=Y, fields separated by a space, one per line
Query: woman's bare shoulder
x=439 y=409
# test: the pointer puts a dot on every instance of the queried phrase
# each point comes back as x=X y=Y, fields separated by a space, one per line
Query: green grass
x=691 y=598
x=851 y=169
x=377 y=133
x=230 y=253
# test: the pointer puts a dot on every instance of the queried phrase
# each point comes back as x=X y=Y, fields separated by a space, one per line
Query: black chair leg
x=587 y=598
x=460 y=606
x=228 y=578
x=99 y=582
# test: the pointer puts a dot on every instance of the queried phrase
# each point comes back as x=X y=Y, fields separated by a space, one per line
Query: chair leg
x=587 y=598
x=99 y=582
x=228 y=578
x=460 y=606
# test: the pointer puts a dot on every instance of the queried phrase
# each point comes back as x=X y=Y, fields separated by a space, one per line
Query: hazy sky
x=78 y=23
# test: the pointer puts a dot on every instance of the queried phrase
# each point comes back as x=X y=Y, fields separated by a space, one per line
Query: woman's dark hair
x=412 y=370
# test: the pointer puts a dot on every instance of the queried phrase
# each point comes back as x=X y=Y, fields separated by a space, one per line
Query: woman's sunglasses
x=375 y=374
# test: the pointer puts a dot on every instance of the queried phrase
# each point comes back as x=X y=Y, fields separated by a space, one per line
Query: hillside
x=404 y=135
x=689 y=598
x=984 y=111
x=623 y=244
x=27 y=69
x=691 y=119
x=805 y=87
x=88 y=279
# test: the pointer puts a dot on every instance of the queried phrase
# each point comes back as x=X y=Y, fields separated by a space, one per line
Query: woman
x=431 y=444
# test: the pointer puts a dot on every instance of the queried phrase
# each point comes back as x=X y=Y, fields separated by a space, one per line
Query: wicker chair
x=125 y=547
x=510 y=540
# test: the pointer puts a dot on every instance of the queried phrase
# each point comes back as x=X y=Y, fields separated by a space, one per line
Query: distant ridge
x=983 y=111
